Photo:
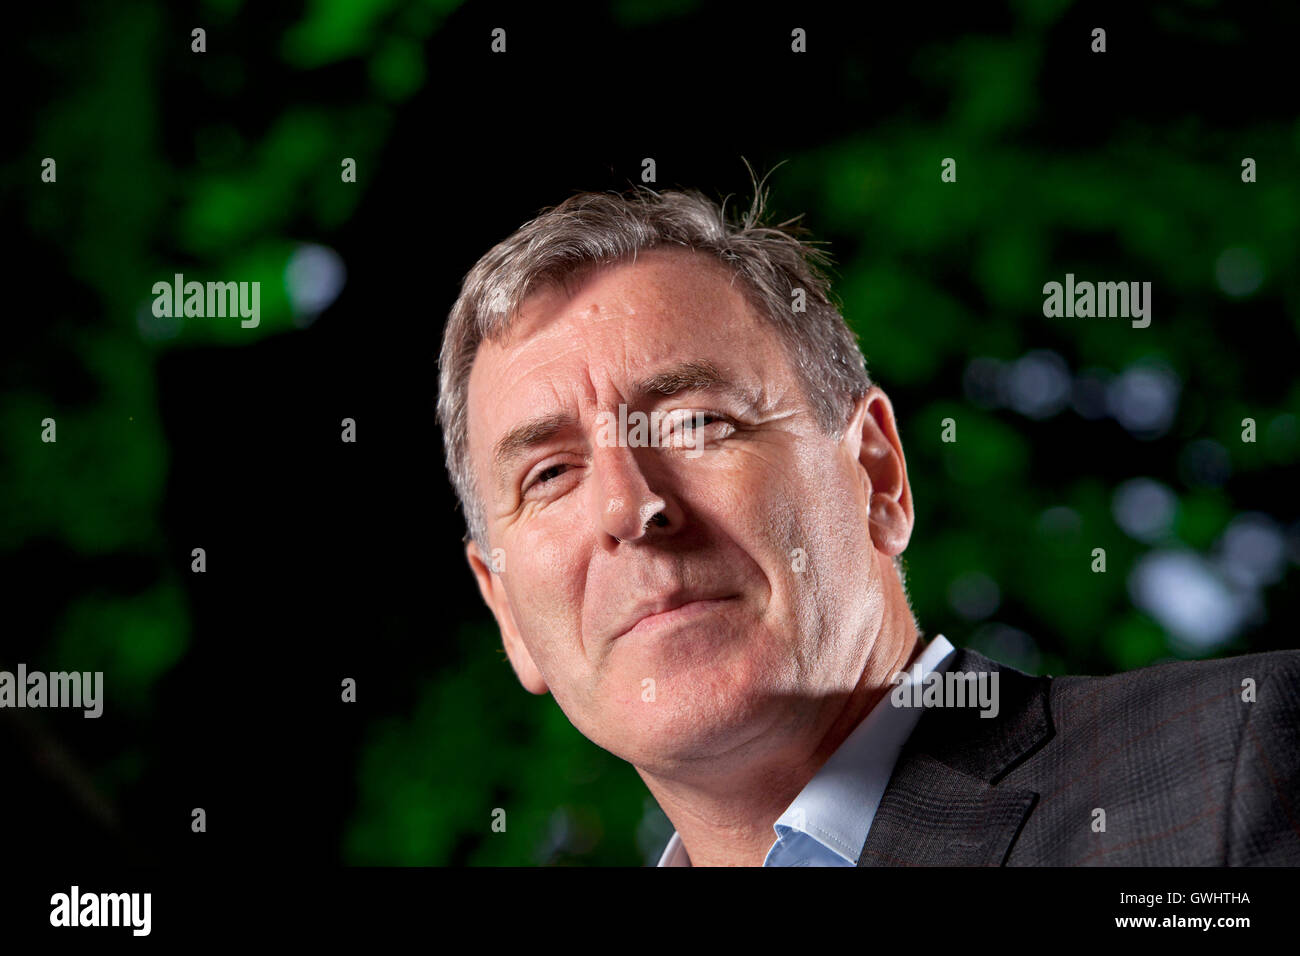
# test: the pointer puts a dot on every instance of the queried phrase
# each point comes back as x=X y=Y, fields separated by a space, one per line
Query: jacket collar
x=943 y=805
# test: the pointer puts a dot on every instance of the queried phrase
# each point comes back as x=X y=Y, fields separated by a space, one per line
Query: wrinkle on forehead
x=553 y=294
x=539 y=338
x=561 y=349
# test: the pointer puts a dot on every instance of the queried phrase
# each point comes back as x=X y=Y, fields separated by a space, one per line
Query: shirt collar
x=831 y=816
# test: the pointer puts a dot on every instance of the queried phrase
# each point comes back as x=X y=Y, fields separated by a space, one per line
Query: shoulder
x=1191 y=762
x=1179 y=686
x=1192 y=723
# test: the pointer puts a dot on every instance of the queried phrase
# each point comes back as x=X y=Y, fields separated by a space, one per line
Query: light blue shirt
x=827 y=824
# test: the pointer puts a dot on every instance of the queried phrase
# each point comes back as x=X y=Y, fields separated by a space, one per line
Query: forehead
x=611 y=327
x=658 y=290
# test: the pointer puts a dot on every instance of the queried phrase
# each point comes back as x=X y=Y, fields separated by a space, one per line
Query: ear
x=498 y=602
x=872 y=437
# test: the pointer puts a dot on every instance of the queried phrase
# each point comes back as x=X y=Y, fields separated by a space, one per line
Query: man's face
x=756 y=594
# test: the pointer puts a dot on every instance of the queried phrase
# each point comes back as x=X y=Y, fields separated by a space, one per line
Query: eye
x=683 y=427
x=546 y=475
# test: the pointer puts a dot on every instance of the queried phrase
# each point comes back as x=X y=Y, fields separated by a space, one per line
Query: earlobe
x=890 y=527
x=498 y=602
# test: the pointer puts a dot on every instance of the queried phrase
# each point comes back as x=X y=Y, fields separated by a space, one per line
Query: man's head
x=763 y=557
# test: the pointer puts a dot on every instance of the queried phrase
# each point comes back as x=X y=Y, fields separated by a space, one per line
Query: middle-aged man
x=686 y=501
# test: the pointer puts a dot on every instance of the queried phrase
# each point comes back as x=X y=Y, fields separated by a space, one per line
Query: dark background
x=328 y=560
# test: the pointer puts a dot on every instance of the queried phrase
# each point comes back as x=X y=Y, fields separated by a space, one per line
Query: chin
x=696 y=723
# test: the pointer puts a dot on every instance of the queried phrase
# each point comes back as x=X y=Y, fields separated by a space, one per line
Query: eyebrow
x=515 y=443
x=698 y=376
x=682 y=377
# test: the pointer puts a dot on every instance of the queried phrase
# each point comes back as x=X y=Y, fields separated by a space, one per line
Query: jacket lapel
x=943 y=805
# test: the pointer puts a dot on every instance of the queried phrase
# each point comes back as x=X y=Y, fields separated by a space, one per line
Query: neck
x=725 y=819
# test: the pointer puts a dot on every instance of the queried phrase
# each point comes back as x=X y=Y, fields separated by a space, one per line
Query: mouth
x=676 y=615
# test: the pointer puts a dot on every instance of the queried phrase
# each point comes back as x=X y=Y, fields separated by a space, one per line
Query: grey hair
x=591 y=229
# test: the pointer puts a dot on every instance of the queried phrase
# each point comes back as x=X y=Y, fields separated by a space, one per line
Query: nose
x=629 y=507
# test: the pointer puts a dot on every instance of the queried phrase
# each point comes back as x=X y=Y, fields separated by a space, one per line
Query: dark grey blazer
x=1188 y=773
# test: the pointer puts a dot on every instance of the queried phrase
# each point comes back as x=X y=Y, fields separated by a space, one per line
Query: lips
x=674 y=609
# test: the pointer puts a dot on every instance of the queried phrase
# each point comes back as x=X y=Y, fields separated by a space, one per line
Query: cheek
x=545 y=591
x=755 y=494
x=831 y=504
x=786 y=506
x=808 y=529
